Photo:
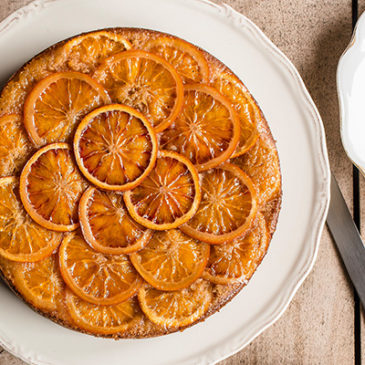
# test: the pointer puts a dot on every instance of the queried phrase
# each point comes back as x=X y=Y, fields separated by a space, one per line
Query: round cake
x=140 y=184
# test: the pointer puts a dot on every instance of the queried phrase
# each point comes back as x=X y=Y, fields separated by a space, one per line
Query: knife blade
x=347 y=239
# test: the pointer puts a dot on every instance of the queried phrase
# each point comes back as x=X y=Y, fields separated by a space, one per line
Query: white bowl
x=351 y=93
x=295 y=123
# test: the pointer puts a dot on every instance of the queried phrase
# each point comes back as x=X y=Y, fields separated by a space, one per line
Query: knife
x=347 y=239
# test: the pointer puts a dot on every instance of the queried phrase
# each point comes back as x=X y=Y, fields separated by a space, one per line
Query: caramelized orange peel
x=228 y=206
x=115 y=147
x=171 y=260
x=57 y=103
x=169 y=196
x=98 y=212
x=146 y=82
x=51 y=187
x=206 y=131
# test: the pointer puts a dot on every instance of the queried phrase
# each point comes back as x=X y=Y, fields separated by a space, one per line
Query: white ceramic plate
x=295 y=124
x=351 y=92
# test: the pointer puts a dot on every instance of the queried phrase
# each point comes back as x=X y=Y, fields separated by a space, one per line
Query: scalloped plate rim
x=322 y=208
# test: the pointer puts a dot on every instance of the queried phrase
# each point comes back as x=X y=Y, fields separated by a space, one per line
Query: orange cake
x=140 y=184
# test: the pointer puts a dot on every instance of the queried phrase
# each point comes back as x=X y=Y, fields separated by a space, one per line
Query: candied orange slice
x=115 y=147
x=187 y=59
x=169 y=196
x=107 y=226
x=236 y=261
x=172 y=260
x=96 y=277
x=40 y=283
x=262 y=164
x=206 y=131
x=14 y=145
x=228 y=206
x=21 y=239
x=85 y=52
x=175 y=309
x=247 y=110
x=145 y=82
x=57 y=103
x=102 y=319
x=51 y=186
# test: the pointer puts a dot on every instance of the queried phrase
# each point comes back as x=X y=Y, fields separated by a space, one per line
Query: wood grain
x=361 y=9
x=362 y=218
x=318 y=327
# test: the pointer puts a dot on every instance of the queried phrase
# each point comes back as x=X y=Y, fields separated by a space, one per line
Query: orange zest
x=228 y=206
x=146 y=82
x=96 y=277
x=57 y=103
x=176 y=309
x=98 y=212
x=85 y=52
x=262 y=164
x=40 y=283
x=21 y=239
x=207 y=130
x=51 y=186
x=169 y=196
x=236 y=261
x=187 y=59
x=14 y=145
x=247 y=110
x=115 y=147
x=102 y=319
x=172 y=260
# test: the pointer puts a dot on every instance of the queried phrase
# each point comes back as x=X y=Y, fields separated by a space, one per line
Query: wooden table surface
x=322 y=324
